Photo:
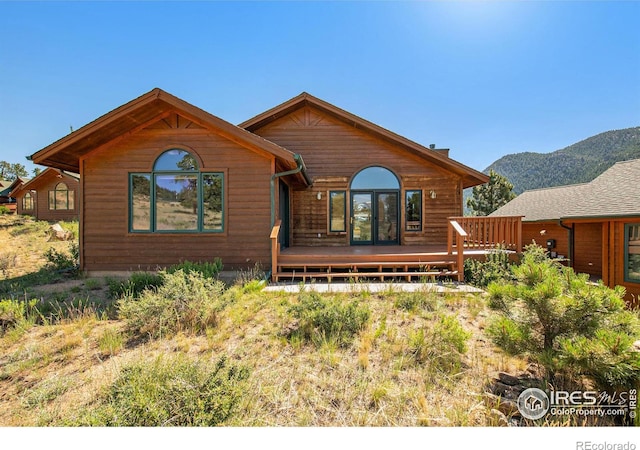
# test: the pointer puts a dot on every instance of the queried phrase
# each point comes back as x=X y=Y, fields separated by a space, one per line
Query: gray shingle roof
x=616 y=192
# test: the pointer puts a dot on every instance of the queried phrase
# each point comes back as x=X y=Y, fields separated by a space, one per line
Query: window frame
x=406 y=202
x=344 y=211
x=31 y=202
x=199 y=174
x=627 y=278
x=69 y=193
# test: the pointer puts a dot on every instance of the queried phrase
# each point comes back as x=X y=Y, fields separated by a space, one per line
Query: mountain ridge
x=577 y=163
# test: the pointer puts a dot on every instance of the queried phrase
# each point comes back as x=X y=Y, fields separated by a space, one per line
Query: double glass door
x=374 y=217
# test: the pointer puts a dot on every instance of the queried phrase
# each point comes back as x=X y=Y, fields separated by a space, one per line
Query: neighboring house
x=163 y=181
x=52 y=195
x=6 y=187
x=595 y=225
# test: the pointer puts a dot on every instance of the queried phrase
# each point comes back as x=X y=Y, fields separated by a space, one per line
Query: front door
x=374 y=217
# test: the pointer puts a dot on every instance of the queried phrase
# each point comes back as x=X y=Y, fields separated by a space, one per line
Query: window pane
x=27 y=202
x=387 y=216
x=176 y=202
x=212 y=193
x=71 y=199
x=141 y=202
x=61 y=200
x=337 y=206
x=176 y=160
x=413 y=210
x=52 y=199
x=375 y=178
x=633 y=253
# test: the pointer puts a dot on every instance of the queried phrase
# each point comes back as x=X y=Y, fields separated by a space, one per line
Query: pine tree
x=491 y=196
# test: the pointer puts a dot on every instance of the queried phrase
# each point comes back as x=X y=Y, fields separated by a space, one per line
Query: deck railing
x=275 y=249
x=485 y=233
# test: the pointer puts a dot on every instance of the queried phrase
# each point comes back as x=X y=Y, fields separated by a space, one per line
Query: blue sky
x=482 y=78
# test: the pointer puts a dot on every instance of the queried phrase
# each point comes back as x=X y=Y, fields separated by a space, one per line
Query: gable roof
x=47 y=173
x=614 y=193
x=471 y=177
x=7 y=187
x=137 y=114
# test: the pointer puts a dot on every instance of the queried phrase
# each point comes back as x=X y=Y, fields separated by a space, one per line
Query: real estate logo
x=533 y=403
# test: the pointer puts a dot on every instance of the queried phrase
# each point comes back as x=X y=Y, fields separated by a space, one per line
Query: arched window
x=27 y=202
x=61 y=198
x=375 y=177
x=176 y=196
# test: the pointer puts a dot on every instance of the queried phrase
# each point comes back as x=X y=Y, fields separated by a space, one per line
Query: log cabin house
x=594 y=227
x=51 y=195
x=304 y=189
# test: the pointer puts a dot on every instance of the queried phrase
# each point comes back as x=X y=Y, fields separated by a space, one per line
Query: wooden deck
x=394 y=261
x=476 y=236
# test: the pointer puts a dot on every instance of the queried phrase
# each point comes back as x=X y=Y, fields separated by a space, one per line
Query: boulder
x=57 y=233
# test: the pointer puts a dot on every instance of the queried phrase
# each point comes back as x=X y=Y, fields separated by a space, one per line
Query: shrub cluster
x=135 y=285
x=206 y=269
x=171 y=391
x=442 y=346
x=15 y=312
x=183 y=302
x=322 y=319
x=63 y=261
x=496 y=267
x=566 y=323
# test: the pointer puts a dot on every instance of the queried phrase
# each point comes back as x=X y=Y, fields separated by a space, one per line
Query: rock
x=504 y=390
x=507 y=407
x=498 y=418
x=508 y=379
x=57 y=233
x=636 y=346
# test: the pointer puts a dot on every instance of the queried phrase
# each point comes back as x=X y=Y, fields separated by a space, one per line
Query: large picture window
x=27 y=202
x=61 y=198
x=176 y=196
x=337 y=211
x=413 y=210
x=632 y=253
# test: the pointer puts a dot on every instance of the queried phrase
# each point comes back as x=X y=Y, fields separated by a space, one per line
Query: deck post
x=275 y=250
x=460 y=263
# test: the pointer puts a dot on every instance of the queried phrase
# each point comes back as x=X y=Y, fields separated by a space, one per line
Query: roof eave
x=471 y=177
x=46 y=156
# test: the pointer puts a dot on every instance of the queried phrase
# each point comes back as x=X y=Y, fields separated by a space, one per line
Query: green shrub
x=4 y=210
x=566 y=323
x=496 y=266
x=63 y=261
x=135 y=285
x=16 y=312
x=206 y=269
x=441 y=346
x=171 y=392
x=322 y=319
x=412 y=301
x=184 y=302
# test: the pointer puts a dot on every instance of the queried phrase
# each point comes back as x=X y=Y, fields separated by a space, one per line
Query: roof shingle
x=616 y=192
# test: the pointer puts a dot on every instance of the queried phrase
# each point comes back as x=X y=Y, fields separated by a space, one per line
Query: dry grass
x=50 y=374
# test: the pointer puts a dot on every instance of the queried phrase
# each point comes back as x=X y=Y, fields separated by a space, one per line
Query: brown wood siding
x=334 y=152
x=539 y=232
x=599 y=249
x=107 y=243
x=588 y=248
x=40 y=198
x=617 y=257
